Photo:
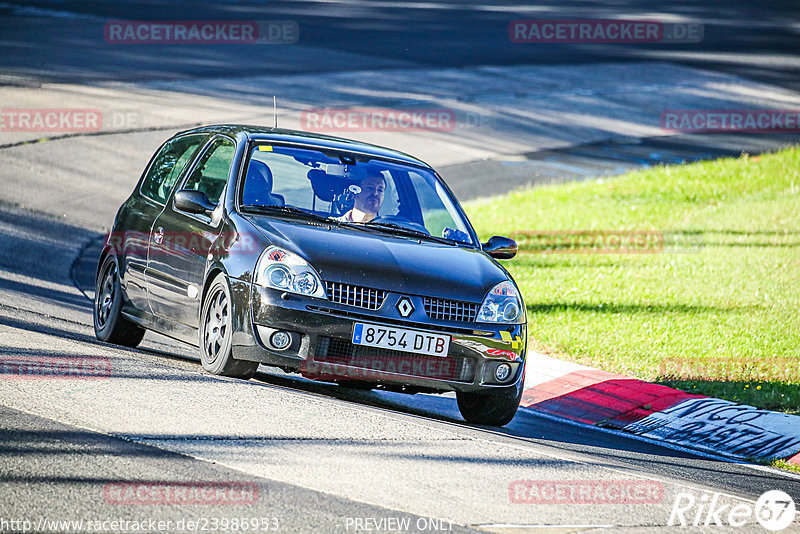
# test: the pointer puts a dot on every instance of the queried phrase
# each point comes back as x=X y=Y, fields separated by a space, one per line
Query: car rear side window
x=168 y=166
x=211 y=173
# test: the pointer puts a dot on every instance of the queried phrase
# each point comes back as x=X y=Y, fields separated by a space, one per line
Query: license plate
x=403 y=339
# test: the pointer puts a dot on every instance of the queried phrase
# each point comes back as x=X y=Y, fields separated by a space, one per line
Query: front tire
x=216 y=334
x=488 y=409
x=109 y=324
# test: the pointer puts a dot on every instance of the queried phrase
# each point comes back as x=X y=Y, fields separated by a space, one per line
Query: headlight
x=284 y=270
x=502 y=305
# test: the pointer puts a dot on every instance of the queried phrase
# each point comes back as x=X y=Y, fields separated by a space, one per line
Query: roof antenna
x=275 y=110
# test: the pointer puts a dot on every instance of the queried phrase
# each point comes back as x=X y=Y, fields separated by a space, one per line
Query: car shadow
x=38 y=252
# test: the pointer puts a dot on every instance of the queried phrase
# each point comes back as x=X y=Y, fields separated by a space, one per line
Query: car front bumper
x=321 y=346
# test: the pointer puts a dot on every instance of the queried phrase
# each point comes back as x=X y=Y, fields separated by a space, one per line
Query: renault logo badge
x=405 y=307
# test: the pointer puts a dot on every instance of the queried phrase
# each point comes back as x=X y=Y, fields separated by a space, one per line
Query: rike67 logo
x=775 y=510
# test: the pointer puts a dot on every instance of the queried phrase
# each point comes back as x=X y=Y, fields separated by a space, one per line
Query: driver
x=368 y=201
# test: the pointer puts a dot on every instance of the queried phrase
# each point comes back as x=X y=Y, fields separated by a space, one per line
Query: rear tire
x=488 y=409
x=216 y=334
x=109 y=324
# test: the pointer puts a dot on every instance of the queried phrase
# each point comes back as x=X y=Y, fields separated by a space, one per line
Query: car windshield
x=381 y=195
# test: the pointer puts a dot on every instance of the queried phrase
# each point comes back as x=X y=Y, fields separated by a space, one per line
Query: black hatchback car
x=342 y=261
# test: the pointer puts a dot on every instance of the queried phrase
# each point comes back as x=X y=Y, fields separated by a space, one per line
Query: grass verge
x=714 y=309
x=783 y=464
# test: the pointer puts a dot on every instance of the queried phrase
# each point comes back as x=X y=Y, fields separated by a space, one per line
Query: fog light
x=502 y=372
x=280 y=340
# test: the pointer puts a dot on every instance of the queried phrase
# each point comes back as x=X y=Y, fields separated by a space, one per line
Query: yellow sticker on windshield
x=264 y=148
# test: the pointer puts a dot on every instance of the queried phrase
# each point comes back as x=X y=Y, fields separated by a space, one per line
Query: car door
x=180 y=241
x=144 y=206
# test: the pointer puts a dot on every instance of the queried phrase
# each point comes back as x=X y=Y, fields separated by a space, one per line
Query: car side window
x=211 y=173
x=168 y=165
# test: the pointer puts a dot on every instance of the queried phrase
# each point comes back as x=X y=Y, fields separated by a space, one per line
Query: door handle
x=158 y=236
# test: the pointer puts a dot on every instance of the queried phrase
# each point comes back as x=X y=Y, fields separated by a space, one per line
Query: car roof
x=262 y=133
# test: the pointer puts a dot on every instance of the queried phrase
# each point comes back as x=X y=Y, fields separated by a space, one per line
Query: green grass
x=716 y=311
x=783 y=464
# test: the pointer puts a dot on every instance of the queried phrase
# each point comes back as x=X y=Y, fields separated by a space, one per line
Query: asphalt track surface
x=753 y=40
x=321 y=456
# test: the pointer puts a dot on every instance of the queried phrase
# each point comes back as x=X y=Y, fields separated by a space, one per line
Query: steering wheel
x=399 y=220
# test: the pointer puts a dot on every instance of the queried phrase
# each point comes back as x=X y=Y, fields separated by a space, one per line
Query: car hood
x=383 y=261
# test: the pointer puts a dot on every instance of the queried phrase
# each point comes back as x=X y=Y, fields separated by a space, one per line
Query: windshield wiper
x=411 y=232
x=303 y=214
x=368 y=227
x=258 y=208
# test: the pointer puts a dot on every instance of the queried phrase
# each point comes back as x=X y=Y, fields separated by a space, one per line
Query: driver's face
x=370 y=198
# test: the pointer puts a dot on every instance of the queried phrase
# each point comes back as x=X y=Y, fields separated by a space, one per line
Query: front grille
x=343 y=352
x=361 y=316
x=358 y=296
x=450 y=310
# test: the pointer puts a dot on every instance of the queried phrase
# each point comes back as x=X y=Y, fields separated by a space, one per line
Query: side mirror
x=193 y=202
x=499 y=247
